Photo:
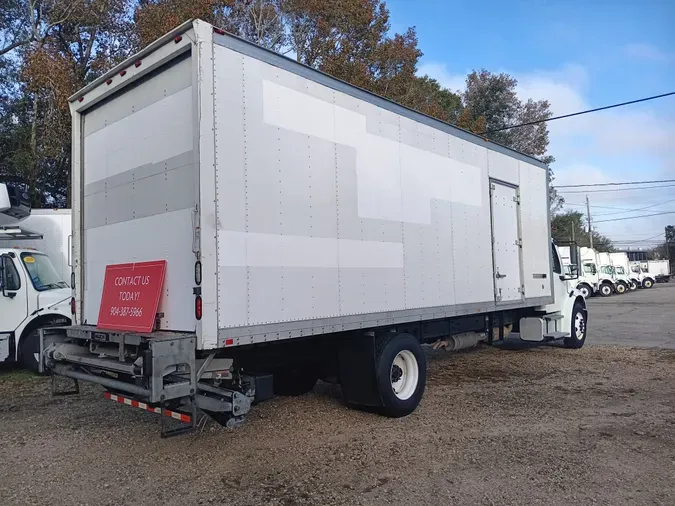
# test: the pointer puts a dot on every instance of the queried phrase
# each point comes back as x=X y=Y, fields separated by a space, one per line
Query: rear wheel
x=579 y=326
x=401 y=370
x=606 y=289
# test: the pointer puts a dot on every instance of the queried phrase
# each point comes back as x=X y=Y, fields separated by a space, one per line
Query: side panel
x=139 y=188
x=329 y=206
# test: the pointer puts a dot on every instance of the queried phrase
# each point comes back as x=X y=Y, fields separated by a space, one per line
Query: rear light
x=72 y=305
x=123 y=73
x=138 y=63
x=229 y=341
x=177 y=39
x=198 y=307
x=219 y=31
x=109 y=81
x=80 y=99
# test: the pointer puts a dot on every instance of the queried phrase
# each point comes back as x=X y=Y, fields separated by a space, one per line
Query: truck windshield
x=590 y=269
x=606 y=269
x=619 y=270
x=41 y=271
x=635 y=268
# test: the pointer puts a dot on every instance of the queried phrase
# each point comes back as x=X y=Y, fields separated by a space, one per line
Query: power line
x=633 y=217
x=637 y=209
x=487 y=132
x=620 y=189
x=641 y=240
x=615 y=184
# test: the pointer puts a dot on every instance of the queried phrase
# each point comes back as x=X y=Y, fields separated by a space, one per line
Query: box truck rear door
x=506 y=242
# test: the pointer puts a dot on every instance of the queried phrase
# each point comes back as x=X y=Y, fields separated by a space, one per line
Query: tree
x=572 y=226
x=491 y=105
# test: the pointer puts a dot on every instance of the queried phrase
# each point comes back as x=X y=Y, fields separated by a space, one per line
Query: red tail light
x=72 y=305
x=198 y=307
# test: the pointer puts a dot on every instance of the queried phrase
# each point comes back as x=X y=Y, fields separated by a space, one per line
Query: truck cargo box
x=290 y=203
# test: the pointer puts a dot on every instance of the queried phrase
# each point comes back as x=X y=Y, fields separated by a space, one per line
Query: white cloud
x=598 y=147
x=645 y=52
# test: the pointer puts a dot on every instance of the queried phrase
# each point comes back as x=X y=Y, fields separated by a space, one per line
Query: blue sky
x=576 y=54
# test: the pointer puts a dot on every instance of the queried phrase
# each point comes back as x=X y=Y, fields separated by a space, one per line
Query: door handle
x=500 y=276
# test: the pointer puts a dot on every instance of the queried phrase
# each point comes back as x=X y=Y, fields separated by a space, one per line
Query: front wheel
x=606 y=290
x=401 y=374
x=30 y=351
x=585 y=290
x=579 y=327
x=647 y=283
x=633 y=285
x=621 y=288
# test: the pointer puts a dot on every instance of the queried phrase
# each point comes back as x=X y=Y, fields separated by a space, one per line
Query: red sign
x=131 y=295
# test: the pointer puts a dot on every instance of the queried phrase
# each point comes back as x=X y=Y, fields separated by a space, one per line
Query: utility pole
x=590 y=229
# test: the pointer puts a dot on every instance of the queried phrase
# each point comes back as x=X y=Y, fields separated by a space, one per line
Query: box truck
x=641 y=271
x=277 y=226
x=34 y=293
x=588 y=278
x=660 y=269
x=620 y=279
x=592 y=266
x=622 y=267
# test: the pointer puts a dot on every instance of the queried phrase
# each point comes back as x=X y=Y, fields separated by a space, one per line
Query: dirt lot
x=539 y=426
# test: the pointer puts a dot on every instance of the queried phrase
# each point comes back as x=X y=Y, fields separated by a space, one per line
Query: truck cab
x=644 y=278
x=33 y=294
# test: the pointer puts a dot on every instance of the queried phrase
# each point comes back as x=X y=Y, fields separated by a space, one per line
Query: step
x=553 y=317
x=556 y=335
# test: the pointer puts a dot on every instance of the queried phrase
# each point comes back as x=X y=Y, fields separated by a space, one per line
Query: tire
x=401 y=372
x=621 y=288
x=28 y=349
x=586 y=291
x=633 y=285
x=295 y=381
x=578 y=329
x=647 y=283
x=606 y=290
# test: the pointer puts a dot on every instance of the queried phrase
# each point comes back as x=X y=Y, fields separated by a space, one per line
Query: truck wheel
x=30 y=351
x=606 y=290
x=294 y=381
x=633 y=285
x=579 y=326
x=621 y=288
x=585 y=290
x=647 y=283
x=401 y=370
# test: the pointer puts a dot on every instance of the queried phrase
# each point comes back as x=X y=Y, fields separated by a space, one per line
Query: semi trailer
x=34 y=293
x=244 y=225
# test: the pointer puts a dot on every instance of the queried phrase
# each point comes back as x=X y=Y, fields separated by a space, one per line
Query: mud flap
x=358 y=371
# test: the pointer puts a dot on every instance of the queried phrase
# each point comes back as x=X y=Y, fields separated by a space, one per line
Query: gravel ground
x=539 y=426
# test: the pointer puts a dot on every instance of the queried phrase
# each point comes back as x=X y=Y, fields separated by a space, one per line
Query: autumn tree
x=492 y=99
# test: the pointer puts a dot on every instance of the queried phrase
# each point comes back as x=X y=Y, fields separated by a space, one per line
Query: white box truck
x=660 y=269
x=309 y=229
x=622 y=267
x=33 y=266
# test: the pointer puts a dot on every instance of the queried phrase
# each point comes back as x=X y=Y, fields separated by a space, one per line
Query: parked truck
x=621 y=281
x=622 y=266
x=34 y=293
x=660 y=269
x=641 y=271
x=588 y=280
x=293 y=227
x=591 y=262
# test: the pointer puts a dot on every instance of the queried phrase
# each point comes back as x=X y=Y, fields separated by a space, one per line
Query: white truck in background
x=640 y=270
x=622 y=282
x=309 y=229
x=622 y=267
x=660 y=269
x=588 y=278
x=591 y=263
x=34 y=294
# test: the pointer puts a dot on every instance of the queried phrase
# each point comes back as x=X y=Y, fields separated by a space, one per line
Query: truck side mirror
x=5 y=282
x=5 y=203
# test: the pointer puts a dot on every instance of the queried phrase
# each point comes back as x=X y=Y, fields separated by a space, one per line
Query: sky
x=577 y=55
